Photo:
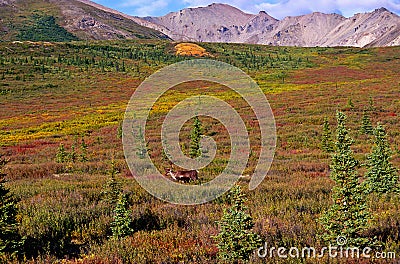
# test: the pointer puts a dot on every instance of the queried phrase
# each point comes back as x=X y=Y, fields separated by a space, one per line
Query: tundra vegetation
x=61 y=109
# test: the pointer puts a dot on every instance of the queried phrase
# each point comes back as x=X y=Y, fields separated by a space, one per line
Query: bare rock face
x=224 y=23
x=305 y=31
x=214 y=23
x=379 y=28
x=5 y=2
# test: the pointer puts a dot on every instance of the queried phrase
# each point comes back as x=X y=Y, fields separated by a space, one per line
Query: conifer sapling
x=235 y=240
x=382 y=176
x=349 y=215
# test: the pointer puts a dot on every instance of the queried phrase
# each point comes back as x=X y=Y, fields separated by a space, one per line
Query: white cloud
x=249 y=6
x=145 y=8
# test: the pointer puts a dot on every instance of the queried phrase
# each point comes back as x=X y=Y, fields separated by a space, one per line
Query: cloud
x=145 y=8
x=249 y=6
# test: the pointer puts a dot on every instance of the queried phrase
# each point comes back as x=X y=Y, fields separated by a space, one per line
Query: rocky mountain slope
x=64 y=20
x=224 y=23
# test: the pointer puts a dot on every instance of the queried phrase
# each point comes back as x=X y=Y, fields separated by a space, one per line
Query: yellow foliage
x=190 y=49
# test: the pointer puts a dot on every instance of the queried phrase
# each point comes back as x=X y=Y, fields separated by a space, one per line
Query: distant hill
x=224 y=23
x=65 y=20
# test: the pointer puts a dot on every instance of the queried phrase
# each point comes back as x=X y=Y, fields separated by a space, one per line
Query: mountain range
x=224 y=23
x=84 y=19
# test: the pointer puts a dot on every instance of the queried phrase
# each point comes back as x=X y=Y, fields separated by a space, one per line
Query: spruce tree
x=350 y=103
x=235 y=240
x=122 y=223
x=349 y=215
x=61 y=156
x=113 y=188
x=72 y=154
x=119 y=130
x=10 y=240
x=326 y=142
x=83 y=154
x=366 y=125
x=195 y=136
x=371 y=104
x=381 y=177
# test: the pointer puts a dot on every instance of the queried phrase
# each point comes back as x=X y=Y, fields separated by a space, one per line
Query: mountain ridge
x=65 y=20
x=377 y=28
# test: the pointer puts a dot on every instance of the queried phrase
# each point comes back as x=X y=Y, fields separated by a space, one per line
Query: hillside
x=65 y=20
x=224 y=23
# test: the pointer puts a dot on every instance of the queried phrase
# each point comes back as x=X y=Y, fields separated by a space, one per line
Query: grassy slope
x=52 y=94
x=20 y=17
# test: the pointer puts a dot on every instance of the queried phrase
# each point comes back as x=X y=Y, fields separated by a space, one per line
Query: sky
x=277 y=8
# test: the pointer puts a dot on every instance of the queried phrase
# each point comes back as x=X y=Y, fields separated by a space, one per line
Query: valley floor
x=75 y=94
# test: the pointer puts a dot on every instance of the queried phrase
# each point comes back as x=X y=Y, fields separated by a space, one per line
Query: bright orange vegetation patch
x=190 y=49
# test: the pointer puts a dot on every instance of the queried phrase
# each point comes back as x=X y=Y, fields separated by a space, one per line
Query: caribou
x=183 y=176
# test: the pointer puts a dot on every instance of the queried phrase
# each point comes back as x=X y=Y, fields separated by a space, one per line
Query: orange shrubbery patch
x=190 y=49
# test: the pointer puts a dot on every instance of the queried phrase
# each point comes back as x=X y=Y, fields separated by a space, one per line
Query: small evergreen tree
x=282 y=76
x=61 y=156
x=326 y=142
x=381 y=177
x=119 y=131
x=72 y=154
x=122 y=223
x=165 y=155
x=195 y=136
x=10 y=240
x=113 y=188
x=235 y=240
x=349 y=215
x=142 y=149
x=371 y=104
x=350 y=103
x=84 y=148
x=366 y=125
